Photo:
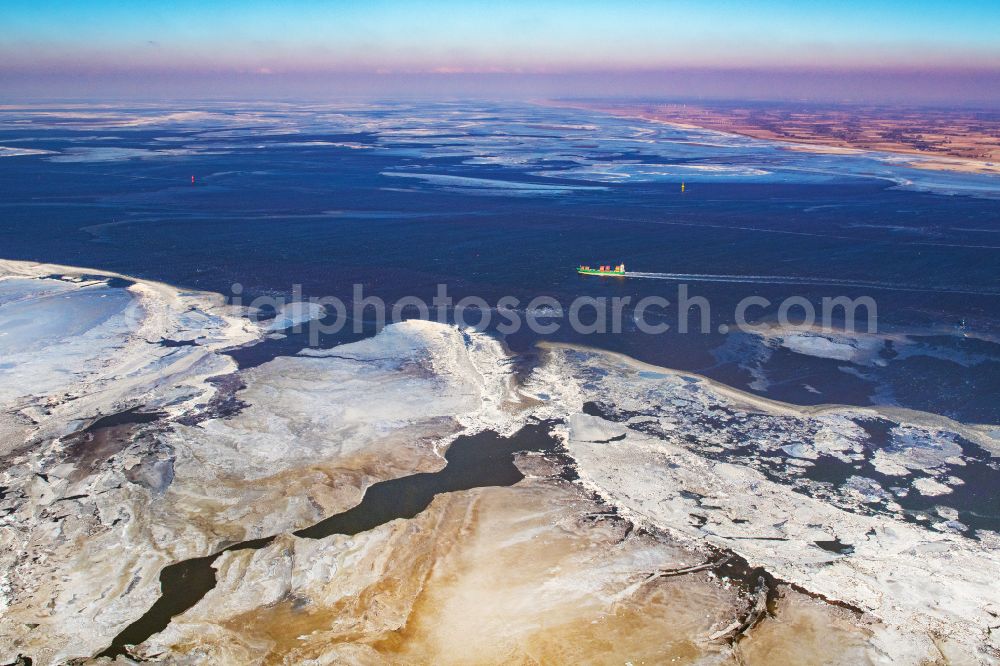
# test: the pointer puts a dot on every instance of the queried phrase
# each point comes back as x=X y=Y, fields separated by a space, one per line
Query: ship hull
x=586 y=271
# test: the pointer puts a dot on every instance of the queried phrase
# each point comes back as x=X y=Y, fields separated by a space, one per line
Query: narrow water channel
x=473 y=461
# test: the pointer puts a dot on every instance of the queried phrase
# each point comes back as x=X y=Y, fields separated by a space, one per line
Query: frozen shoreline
x=93 y=512
x=130 y=366
x=86 y=534
x=76 y=526
x=928 y=587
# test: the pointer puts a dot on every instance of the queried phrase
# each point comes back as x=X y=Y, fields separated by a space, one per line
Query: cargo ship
x=602 y=270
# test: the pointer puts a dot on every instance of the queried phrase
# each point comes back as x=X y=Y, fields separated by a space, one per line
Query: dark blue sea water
x=496 y=200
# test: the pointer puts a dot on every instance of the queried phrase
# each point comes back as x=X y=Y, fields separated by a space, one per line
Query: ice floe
x=919 y=582
x=547 y=142
x=490 y=185
x=7 y=151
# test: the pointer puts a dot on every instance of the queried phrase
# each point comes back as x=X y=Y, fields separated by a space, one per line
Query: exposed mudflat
x=327 y=507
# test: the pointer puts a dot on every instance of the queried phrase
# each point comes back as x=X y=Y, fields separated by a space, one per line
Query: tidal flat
x=599 y=508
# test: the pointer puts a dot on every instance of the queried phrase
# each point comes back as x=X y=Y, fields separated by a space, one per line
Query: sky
x=847 y=49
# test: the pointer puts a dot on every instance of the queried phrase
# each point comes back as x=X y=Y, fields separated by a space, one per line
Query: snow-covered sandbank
x=131 y=441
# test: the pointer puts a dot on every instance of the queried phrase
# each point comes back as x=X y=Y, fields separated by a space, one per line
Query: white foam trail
x=796 y=280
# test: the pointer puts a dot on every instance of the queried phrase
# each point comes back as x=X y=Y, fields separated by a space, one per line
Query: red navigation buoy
x=192 y=180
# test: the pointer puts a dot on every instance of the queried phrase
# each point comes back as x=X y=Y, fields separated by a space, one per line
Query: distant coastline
x=962 y=140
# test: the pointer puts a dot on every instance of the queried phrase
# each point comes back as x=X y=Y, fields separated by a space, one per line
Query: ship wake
x=809 y=281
